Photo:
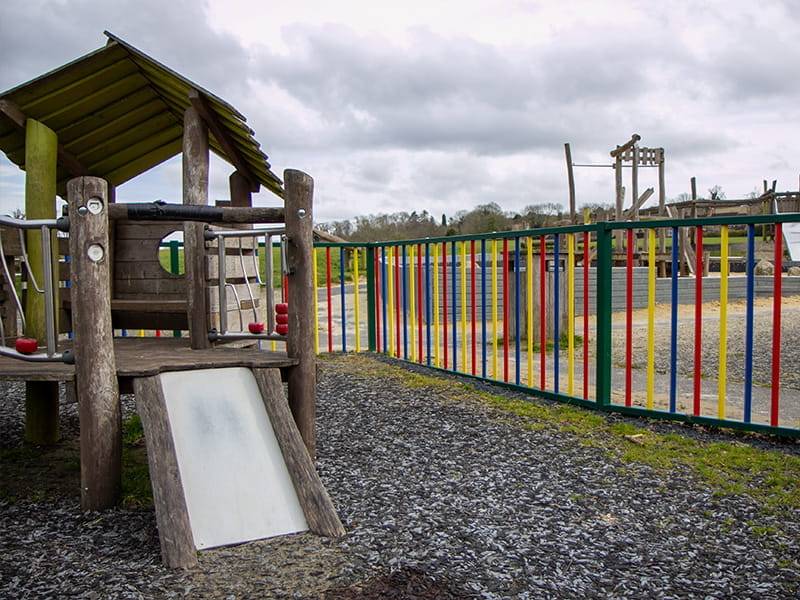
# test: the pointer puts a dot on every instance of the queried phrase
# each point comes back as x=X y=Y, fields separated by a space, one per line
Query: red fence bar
x=585 y=315
x=377 y=272
x=419 y=303
x=698 y=320
x=444 y=299
x=328 y=289
x=776 y=328
x=629 y=317
x=505 y=309
x=472 y=292
x=398 y=283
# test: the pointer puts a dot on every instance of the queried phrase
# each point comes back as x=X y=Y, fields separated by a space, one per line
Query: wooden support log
x=150 y=211
x=620 y=150
x=172 y=517
x=241 y=190
x=571 y=181
x=95 y=366
x=317 y=506
x=202 y=108
x=619 y=202
x=195 y=193
x=662 y=211
x=635 y=181
x=300 y=340
x=41 y=400
x=13 y=114
x=634 y=210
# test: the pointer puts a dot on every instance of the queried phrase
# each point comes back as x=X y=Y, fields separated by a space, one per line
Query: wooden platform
x=144 y=357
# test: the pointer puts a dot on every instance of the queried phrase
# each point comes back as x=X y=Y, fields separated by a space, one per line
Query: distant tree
x=342 y=229
x=372 y=228
x=682 y=197
x=481 y=219
x=716 y=193
x=542 y=215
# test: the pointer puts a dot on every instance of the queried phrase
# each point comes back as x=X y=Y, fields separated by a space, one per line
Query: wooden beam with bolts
x=221 y=135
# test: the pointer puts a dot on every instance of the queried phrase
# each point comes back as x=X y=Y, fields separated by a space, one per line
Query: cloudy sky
x=446 y=105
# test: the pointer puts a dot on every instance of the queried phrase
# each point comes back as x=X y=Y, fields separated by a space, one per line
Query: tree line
x=483 y=218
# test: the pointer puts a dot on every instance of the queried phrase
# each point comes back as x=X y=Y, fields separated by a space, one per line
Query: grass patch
x=728 y=467
x=136 y=489
x=37 y=473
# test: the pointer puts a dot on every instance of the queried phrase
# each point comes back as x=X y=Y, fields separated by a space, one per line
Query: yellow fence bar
x=463 y=307
x=435 y=266
x=355 y=289
x=411 y=303
x=651 y=315
x=495 y=373
x=723 y=323
x=529 y=299
x=570 y=313
x=316 y=304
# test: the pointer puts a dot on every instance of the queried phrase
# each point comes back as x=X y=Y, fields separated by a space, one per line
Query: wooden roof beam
x=12 y=112
x=223 y=138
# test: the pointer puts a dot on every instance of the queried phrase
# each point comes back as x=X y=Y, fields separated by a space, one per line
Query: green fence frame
x=603 y=234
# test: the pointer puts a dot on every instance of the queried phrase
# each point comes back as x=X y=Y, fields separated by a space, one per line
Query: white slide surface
x=235 y=481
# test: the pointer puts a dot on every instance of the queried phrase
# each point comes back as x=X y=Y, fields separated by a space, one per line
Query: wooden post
x=662 y=211
x=172 y=517
x=571 y=180
x=41 y=397
x=240 y=186
x=620 y=199
x=300 y=340
x=95 y=366
x=635 y=180
x=195 y=192
x=314 y=499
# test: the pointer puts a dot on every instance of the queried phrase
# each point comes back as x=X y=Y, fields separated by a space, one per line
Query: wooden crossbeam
x=12 y=113
x=626 y=146
x=639 y=203
x=221 y=135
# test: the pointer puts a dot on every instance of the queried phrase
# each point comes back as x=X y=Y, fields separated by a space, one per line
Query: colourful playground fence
x=537 y=311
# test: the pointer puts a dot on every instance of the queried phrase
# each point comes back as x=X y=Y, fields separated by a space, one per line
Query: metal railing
x=45 y=227
x=534 y=311
x=220 y=236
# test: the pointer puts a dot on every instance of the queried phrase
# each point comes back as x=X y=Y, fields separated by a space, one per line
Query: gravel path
x=762 y=341
x=443 y=486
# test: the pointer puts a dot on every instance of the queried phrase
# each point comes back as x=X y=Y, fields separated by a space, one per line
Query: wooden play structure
x=631 y=155
x=81 y=131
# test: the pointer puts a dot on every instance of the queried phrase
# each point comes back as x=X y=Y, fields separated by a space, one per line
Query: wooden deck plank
x=145 y=357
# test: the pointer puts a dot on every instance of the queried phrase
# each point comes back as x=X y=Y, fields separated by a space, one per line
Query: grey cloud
x=36 y=36
x=460 y=94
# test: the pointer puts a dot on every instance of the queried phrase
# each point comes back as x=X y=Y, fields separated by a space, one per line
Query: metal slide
x=235 y=481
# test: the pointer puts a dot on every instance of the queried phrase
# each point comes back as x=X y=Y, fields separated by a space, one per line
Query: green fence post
x=174 y=267
x=603 y=311
x=371 y=298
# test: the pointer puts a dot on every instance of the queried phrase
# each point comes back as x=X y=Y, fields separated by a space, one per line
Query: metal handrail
x=45 y=227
